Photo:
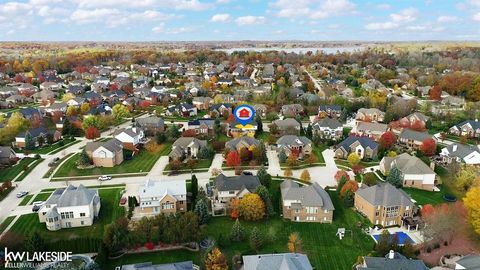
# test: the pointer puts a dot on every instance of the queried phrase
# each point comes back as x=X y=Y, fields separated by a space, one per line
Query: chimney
x=391 y=255
x=454 y=148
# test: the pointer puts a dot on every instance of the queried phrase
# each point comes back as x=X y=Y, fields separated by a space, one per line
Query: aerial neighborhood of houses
x=142 y=162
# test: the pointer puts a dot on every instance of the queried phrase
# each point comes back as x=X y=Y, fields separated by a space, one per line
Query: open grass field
x=109 y=211
x=323 y=248
x=143 y=162
x=41 y=196
x=5 y=223
x=25 y=200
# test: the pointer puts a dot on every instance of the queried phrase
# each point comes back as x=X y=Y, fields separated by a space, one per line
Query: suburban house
x=226 y=188
x=236 y=129
x=416 y=117
x=288 y=126
x=184 y=109
x=365 y=147
x=130 y=137
x=242 y=142
x=70 y=207
x=221 y=109
x=150 y=125
x=307 y=203
x=39 y=137
x=299 y=146
x=187 y=265
x=202 y=126
x=332 y=111
x=412 y=139
x=292 y=110
x=7 y=156
x=463 y=153
x=186 y=147
x=277 y=261
x=328 y=128
x=261 y=110
x=414 y=172
x=372 y=130
x=202 y=103
x=384 y=204
x=392 y=261
x=468 y=128
x=105 y=154
x=370 y=115
x=165 y=196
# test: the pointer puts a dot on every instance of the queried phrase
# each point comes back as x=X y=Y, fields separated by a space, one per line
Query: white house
x=130 y=137
x=464 y=153
x=70 y=207
x=414 y=172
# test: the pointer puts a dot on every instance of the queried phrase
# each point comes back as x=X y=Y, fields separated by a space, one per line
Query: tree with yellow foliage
x=305 y=176
x=216 y=260
x=288 y=172
x=251 y=207
x=353 y=159
x=84 y=108
x=71 y=110
x=67 y=96
x=472 y=203
x=294 y=242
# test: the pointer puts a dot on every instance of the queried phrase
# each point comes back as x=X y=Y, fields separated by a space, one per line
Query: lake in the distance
x=328 y=50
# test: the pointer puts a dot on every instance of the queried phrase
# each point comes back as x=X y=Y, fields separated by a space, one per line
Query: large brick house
x=105 y=154
x=468 y=128
x=165 y=196
x=306 y=204
x=365 y=147
x=384 y=204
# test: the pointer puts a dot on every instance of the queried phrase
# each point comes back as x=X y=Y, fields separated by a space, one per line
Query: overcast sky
x=159 y=20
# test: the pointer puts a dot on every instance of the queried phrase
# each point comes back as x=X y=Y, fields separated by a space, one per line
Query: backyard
x=143 y=162
x=323 y=248
x=109 y=211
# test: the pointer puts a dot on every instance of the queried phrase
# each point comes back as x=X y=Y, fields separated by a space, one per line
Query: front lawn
x=41 y=197
x=10 y=173
x=5 y=223
x=143 y=162
x=202 y=165
x=324 y=249
x=56 y=147
x=317 y=151
x=75 y=238
x=423 y=197
x=25 y=200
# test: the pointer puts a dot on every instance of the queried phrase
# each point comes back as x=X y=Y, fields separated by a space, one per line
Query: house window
x=81 y=222
x=391 y=211
x=167 y=206
x=231 y=192
x=82 y=214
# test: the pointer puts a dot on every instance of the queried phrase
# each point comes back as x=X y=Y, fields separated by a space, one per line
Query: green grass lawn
x=428 y=197
x=5 y=223
x=10 y=173
x=317 y=150
x=57 y=146
x=25 y=200
x=143 y=162
x=202 y=164
x=324 y=249
x=41 y=196
x=365 y=164
x=109 y=211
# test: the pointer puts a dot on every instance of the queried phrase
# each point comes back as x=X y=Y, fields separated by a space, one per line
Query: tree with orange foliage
x=251 y=207
x=351 y=185
x=387 y=140
x=443 y=222
x=233 y=159
x=92 y=133
x=417 y=125
x=428 y=147
x=216 y=260
x=341 y=174
x=234 y=208
x=435 y=93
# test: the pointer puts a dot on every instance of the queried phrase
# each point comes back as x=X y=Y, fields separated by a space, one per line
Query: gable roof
x=470 y=262
x=183 y=142
x=474 y=123
x=410 y=134
x=461 y=150
x=326 y=108
x=287 y=123
x=408 y=164
x=398 y=262
x=331 y=123
x=284 y=261
x=313 y=195
x=293 y=140
x=113 y=145
x=384 y=194
x=149 y=121
x=364 y=142
x=72 y=196
x=245 y=141
x=187 y=265
x=161 y=188
x=238 y=182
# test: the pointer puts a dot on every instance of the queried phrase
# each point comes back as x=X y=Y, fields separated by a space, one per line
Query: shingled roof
x=239 y=182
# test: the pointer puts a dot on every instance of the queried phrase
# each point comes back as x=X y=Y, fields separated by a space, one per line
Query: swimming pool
x=402 y=238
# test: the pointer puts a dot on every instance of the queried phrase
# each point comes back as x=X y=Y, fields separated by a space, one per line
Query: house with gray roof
x=467 y=128
x=332 y=111
x=105 y=154
x=463 y=153
x=292 y=110
x=299 y=146
x=130 y=137
x=187 y=265
x=186 y=147
x=226 y=188
x=288 y=126
x=7 y=156
x=278 y=261
x=468 y=262
x=242 y=142
x=370 y=115
x=365 y=148
x=201 y=126
x=306 y=203
x=328 y=128
x=151 y=125
x=413 y=139
x=372 y=130
x=414 y=172
x=392 y=261
x=384 y=204
x=165 y=196
x=70 y=207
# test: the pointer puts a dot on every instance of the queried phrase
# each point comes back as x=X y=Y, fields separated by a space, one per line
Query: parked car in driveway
x=104 y=178
x=22 y=194
x=37 y=205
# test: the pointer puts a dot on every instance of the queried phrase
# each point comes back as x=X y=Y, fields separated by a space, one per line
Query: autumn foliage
x=351 y=185
x=92 y=133
x=387 y=140
x=233 y=159
x=428 y=147
x=251 y=207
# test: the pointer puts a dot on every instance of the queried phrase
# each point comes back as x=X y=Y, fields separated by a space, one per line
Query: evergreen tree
x=309 y=132
x=194 y=190
x=264 y=177
x=282 y=157
x=35 y=242
x=348 y=199
x=84 y=159
x=29 y=143
x=383 y=244
x=173 y=132
x=256 y=239
x=265 y=196
x=202 y=211
x=395 y=177
x=238 y=233
x=259 y=130
x=341 y=183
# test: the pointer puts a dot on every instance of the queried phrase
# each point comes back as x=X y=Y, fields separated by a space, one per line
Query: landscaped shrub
x=149 y=245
